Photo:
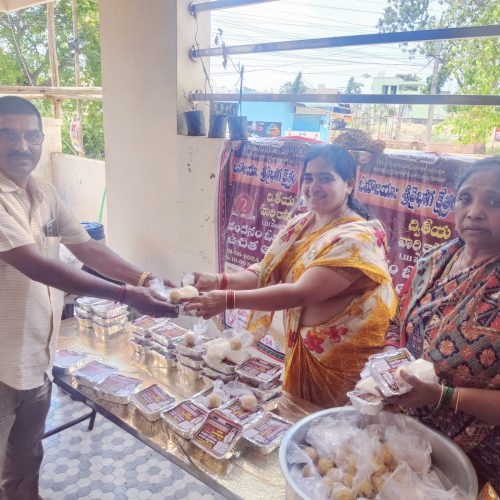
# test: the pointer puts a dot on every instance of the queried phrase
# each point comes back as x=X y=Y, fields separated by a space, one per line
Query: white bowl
x=446 y=455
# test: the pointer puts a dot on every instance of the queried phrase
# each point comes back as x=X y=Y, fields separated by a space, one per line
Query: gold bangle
x=440 y=398
x=144 y=277
x=456 y=401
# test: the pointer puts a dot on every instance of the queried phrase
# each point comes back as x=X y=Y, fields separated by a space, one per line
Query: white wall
x=51 y=144
x=160 y=209
x=81 y=183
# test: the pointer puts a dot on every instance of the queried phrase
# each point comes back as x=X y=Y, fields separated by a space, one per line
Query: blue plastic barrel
x=95 y=230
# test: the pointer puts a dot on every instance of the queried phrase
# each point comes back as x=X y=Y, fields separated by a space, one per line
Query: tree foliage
x=24 y=60
x=353 y=87
x=473 y=65
x=296 y=87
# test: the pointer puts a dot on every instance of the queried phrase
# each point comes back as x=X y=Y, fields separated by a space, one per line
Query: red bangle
x=224 y=281
x=230 y=299
x=122 y=294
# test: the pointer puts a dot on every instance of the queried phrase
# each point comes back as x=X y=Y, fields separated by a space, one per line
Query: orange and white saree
x=323 y=362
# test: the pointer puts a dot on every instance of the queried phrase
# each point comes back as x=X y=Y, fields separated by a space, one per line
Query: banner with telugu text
x=412 y=193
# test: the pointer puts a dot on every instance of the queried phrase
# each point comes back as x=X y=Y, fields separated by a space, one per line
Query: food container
x=451 y=461
x=265 y=434
x=166 y=333
x=236 y=411
x=383 y=368
x=215 y=375
x=81 y=313
x=224 y=367
x=161 y=360
x=259 y=372
x=270 y=392
x=271 y=404
x=152 y=401
x=109 y=310
x=109 y=330
x=118 y=388
x=145 y=324
x=84 y=323
x=365 y=402
x=140 y=340
x=67 y=361
x=196 y=351
x=185 y=418
x=202 y=398
x=140 y=349
x=196 y=364
x=190 y=373
x=218 y=435
x=93 y=373
x=86 y=303
x=108 y=322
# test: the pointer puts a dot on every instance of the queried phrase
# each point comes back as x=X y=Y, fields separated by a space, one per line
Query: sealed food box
x=218 y=435
x=264 y=435
x=93 y=373
x=365 y=402
x=152 y=401
x=118 y=388
x=86 y=303
x=185 y=418
x=384 y=368
x=107 y=322
x=195 y=364
x=82 y=313
x=84 y=322
x=215 y=375
x=67 y=361
x=166 y=333
x=259 y=372
x=109 y=310
x=194 y=348
x=109 y=330
x=145 y=324
x=238 y=413
x=190 y=373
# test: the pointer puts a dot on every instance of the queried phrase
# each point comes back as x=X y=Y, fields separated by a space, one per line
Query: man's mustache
x=18 y=155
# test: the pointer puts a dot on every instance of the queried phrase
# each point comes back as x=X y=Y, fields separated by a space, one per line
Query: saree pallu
x=454 y=322
x=324 y=361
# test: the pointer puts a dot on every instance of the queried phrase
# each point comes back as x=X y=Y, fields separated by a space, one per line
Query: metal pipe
x=195 y=8
x=353 y=40
x=445 y=99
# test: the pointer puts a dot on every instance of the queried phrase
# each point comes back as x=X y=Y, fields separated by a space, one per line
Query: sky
x=302 y=19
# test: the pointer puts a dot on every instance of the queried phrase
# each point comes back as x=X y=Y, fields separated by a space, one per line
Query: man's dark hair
x=13 y=105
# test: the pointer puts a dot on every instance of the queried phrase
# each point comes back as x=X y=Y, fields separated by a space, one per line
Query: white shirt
x=30 y=312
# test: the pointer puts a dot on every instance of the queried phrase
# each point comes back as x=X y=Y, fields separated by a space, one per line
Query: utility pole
x=434 y=82
x=76 y=48
x=54 y=68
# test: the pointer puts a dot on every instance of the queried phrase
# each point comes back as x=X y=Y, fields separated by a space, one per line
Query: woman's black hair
x=343 y=163
x=491 y=164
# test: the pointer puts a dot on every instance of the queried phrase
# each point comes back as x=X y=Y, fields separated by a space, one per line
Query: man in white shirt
x=33 y=222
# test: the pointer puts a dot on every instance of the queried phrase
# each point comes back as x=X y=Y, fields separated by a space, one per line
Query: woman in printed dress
x=327 y=270
x=449 y=315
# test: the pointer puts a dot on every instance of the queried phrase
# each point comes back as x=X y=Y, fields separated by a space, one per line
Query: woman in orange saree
x=327 y=270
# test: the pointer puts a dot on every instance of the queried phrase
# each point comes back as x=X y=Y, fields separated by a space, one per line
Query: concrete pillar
x=161 y=192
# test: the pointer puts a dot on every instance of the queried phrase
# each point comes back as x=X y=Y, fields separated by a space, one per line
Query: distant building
x=388 y=85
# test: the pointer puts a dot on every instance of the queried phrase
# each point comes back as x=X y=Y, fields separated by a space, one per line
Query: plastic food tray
x=109 y=310
x=152 y=401
x=93 y=373
x=218 y=435
x=118 y=388
x=259 y=372
x=86 y=303
x=265 y=434
x=185 y=418
x=67 y=361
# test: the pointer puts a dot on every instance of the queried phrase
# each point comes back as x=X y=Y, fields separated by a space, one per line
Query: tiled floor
x=107 y=463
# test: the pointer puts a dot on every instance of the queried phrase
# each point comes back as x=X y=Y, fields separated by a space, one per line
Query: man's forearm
x=105 y=261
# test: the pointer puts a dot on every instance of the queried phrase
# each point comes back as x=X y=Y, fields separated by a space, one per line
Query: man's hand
x=206 y=282
x=148 y=302
x=422 y=394
x=207 y=305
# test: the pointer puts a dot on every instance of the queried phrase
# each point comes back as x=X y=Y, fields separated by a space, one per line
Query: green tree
x=353 y=87
x=408 y=77
x=473 y=64
x=296 y=87
x=24 y=61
